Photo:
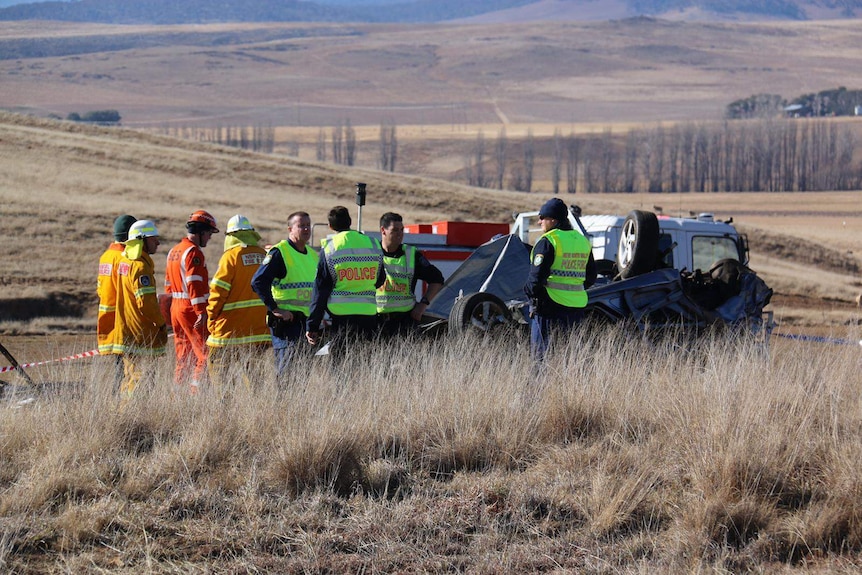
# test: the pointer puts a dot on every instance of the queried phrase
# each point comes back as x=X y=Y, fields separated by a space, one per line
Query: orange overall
x=187 y=281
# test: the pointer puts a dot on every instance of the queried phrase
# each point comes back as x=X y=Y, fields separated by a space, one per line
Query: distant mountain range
x=201 y=11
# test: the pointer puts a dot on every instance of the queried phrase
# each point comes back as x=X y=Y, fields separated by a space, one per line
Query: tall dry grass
x=627 y=455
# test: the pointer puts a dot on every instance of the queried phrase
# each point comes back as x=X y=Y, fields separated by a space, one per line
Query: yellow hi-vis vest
x=293 y=291
x=353 y=261
x=568 y=270
x=395 y=295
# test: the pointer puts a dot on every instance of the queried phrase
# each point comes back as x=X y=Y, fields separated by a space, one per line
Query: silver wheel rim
x=626 y=248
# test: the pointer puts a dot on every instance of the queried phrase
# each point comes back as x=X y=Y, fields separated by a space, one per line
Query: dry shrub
x=315 y=461
x=81 y=525
x=384 y=478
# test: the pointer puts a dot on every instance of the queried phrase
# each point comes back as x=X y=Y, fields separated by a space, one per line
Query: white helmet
x=238 y=223
x=143 y=229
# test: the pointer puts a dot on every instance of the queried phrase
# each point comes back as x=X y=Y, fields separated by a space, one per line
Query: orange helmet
x=201 y=221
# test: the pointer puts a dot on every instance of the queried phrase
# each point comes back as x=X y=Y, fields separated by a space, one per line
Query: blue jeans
x=285 y=347
x=542 y=327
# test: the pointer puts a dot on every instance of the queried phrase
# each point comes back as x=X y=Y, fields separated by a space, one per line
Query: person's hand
x=418 y=310
x=200 y=323
x=284 y=314
x=313 y=337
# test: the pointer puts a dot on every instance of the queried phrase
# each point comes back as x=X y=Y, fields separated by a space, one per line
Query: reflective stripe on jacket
x=186 y=275
x=395 y=294
x=293 y=291
x=565 y=283
x=235 y=313
x=353 y=260
x=106 y=288
x=140 y=326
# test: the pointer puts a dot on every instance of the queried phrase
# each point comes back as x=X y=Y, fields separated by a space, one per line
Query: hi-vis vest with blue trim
x=395 y=294
x=568 y=270
x=353 y=261
x=293 y=291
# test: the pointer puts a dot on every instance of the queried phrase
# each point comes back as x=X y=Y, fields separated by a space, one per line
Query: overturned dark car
x=647 y=282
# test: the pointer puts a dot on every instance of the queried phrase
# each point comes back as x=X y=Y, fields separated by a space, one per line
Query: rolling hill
x=203 y=11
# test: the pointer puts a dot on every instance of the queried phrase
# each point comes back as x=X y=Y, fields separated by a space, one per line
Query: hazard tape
x=90 y=353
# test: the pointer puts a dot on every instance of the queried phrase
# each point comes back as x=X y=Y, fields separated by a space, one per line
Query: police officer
x=397 y=308
x=562 y=267
x=348 y=275
x=284 y=282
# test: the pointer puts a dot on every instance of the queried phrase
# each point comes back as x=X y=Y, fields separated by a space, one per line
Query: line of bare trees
x=343 y=144
x=257 y=138
x=761 y=155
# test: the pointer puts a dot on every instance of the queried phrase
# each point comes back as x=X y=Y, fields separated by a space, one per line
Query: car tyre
x=637 y=251
x=478 y=311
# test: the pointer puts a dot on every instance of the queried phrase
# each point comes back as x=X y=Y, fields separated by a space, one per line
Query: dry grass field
x=628 y=456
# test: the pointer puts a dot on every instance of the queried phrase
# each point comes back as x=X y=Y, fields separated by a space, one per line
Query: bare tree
x=590 y=171
x=338 y=143
x=673 y=149
x=656 y=179
x=573 y=152
x=500 y=158
x=478 y=178
x=556 y=165
x=516 y=179
x=349 y=144
x=529 y=161
x=630 y=163
x=321 y=146
x=388 y=146
x=700 y=165
x=393 y=147
x=607 y=159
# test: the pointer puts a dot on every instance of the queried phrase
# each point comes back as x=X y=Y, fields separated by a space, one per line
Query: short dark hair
x=297 y=215
x=339 y=219
x=390 y=218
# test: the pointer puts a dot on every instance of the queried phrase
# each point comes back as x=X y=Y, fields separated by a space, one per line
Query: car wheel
x=478 y=311
x=637 y=251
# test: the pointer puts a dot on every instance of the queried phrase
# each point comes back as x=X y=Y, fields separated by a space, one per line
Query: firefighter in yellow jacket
x=140 y=329
x=106 y=288
x=236 y=315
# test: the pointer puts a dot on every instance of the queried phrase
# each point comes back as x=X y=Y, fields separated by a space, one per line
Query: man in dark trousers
x=397 y=308
x=562 y=267
x=284 y=282
x=348 y=275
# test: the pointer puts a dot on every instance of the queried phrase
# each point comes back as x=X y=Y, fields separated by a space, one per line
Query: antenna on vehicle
x=360 y=201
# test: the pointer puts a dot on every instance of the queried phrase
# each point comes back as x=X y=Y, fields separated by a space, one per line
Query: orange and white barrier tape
x=90 y=353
